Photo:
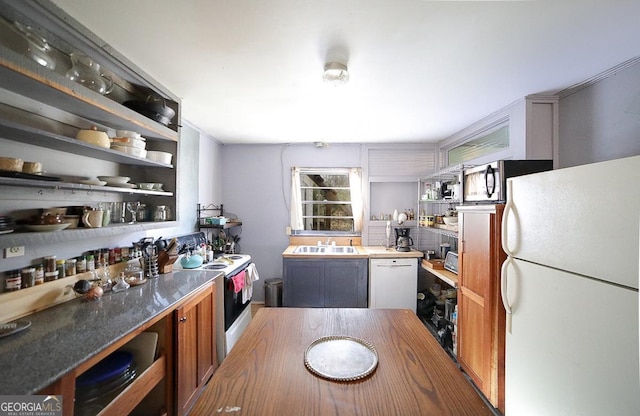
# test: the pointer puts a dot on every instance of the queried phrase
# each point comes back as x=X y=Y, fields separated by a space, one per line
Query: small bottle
x=50 y=276
x=60 y=266
x=70 y=267
x=13 y=281
x=91 y=263
x=39 y=274
x=81 y=264
x=49 y=264
x=28 y=276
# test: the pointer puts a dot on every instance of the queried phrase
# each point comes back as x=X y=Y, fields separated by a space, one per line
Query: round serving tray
x=341 y=358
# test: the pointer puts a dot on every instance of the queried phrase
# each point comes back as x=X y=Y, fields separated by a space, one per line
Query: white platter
x=112 y=180
x=341 y=358
x=47 y=227
x=92 y=182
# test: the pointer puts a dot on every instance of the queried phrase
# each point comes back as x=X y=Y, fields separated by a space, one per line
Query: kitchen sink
x=325 y=250
x=307 y=249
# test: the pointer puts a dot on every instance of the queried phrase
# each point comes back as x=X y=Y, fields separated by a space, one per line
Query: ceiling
x=250 y=71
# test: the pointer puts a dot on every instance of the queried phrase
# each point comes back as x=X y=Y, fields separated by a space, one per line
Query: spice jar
x=13 y=281
x=39 y=274
x=49 y=264
x=70 y=267
x=60 y=268
x=81 y=264
x=28 y=276
x=161 y=213
x=50 y=276
x=91 y=263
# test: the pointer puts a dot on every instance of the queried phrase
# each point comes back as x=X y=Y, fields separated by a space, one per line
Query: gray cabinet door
x=302 y=284
x=320 y=283
x=345 y=283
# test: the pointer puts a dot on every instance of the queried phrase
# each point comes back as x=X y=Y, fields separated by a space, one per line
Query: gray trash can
x=273 y=292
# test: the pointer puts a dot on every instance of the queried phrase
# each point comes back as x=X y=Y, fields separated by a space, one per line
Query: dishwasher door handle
x=393 y=265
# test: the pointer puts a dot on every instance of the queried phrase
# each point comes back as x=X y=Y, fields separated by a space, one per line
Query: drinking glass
x=132 y=207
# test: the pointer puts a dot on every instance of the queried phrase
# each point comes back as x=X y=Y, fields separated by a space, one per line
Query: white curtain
x=355 y=183
x=296 y=201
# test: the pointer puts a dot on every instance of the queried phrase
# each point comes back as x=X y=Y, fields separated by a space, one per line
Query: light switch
x=13 y=252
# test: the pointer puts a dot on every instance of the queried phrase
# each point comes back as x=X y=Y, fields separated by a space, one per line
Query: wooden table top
x=265 y=373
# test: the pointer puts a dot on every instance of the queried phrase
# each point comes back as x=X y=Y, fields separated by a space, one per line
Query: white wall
x=256 y=187
x=601 y=122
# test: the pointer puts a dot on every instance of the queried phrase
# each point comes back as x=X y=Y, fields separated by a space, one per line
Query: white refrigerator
x=570 y=289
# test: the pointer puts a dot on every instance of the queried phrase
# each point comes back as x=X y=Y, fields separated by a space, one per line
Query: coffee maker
x=403 y=241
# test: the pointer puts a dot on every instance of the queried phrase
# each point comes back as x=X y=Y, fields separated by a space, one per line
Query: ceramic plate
x=6 y=231
x=341 y=358
x=47 y=227
x=93 y=182
x=124 y=185
x=112 y=180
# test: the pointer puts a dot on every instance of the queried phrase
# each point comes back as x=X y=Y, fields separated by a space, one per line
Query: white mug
x=93 y=218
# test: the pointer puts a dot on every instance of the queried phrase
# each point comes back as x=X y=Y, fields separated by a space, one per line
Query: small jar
x=70 y=267
x=105 y=256
x=161 y=213
x=28 y=276
x=81 y=264
x=124 y=254
x=39 y=274
x=117 y=255
x=50 y=264
x=430 y=220
x=50 y=276
x=91 y=263
x=60 y=266
x=13 y=281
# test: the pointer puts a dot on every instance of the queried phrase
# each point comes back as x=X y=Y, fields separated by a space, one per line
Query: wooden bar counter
x=265 y=372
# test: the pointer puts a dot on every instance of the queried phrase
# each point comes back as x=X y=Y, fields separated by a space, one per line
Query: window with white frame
x=326 y=199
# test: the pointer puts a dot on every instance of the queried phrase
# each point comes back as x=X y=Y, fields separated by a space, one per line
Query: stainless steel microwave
x=488 y=183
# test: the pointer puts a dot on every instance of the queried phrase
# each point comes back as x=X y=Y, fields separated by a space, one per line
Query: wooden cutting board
x=433 y=263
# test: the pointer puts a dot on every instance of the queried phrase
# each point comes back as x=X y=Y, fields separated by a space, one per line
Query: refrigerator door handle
x=503 y=291
x=505 y=216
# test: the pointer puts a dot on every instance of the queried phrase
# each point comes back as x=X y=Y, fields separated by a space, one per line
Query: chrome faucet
x=328 y=241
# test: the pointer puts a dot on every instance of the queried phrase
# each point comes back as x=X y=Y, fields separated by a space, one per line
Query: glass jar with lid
x=161 y=213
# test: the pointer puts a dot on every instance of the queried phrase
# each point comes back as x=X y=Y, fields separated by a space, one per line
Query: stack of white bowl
x=129 y=142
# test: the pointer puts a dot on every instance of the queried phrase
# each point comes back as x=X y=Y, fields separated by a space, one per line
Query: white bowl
x=115 y=180
x=450 y=220
x=162 y=157
x=146 y=186
x=133 y=151
x=128 y=141
x=127 y=133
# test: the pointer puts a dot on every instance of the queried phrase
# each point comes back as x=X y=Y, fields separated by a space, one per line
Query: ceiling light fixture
x=335 y=74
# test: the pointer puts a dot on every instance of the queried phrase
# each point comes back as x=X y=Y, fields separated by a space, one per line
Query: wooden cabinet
x=146 y=394
x=196 y=355
x=319 y=283
x=481 y=318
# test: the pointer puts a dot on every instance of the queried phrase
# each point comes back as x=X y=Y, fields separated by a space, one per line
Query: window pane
x=487 y=144
x=326 y=201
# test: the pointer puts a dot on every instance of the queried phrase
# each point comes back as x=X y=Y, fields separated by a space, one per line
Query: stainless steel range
x=233 y=298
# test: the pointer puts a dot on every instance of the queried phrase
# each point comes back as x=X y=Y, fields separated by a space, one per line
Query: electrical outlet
x=10 y=252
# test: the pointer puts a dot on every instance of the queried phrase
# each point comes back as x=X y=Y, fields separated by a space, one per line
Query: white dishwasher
x=393 y=283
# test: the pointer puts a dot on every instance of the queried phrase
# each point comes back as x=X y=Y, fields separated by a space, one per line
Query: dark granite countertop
x=66 y=335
